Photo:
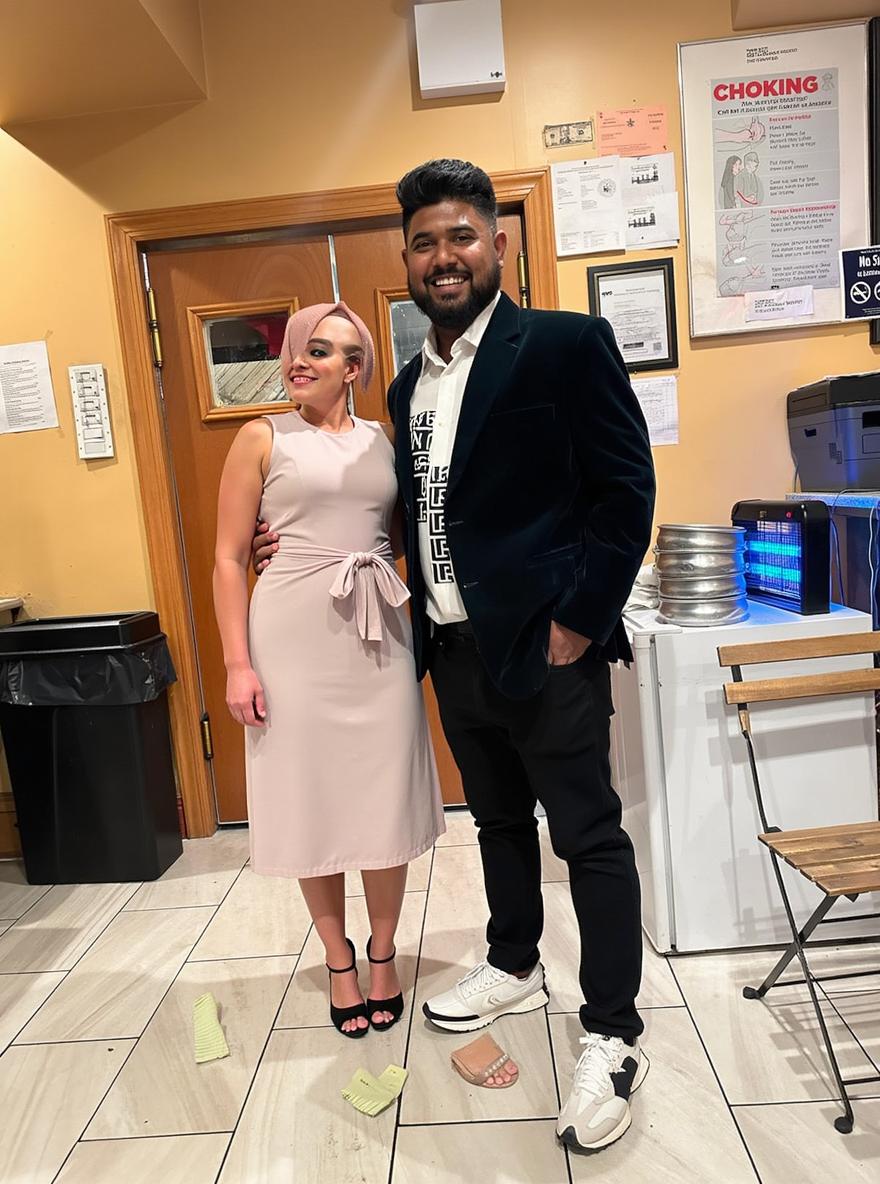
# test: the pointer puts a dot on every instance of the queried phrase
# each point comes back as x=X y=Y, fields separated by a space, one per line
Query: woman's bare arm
x=241 y=487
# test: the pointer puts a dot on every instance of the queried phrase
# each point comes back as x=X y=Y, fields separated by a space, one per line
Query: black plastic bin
x=84 y=719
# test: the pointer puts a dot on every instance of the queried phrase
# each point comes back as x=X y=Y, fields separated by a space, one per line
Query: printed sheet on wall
x=775 y=129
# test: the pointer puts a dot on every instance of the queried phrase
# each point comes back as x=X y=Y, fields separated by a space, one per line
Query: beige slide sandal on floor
x=480 y=1060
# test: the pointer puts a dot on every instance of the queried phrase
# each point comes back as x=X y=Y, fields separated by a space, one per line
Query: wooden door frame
x=528 y=191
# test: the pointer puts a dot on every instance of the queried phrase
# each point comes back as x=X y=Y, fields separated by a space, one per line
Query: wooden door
x=371 y=279
x=251 y=276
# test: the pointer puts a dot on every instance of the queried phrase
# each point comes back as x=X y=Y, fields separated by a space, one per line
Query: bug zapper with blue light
x=788 y=553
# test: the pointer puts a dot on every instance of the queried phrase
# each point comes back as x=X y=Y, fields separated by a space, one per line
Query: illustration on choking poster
x=776 y=155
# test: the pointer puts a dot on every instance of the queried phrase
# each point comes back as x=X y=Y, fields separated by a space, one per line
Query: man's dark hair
x=446 y=180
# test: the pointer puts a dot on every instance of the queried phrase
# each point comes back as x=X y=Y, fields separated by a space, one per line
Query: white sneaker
x=597 y=1111
x=484 y=995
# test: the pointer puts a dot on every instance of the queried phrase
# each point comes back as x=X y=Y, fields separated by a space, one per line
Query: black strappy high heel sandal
x=395 y=1005
x=339 y=1015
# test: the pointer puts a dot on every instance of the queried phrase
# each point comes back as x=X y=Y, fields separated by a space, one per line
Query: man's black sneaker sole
x=569 y=1138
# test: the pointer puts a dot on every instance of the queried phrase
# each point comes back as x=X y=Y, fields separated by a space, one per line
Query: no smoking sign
x=860 y=283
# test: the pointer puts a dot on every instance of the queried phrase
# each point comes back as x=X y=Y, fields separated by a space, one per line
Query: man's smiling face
x=453 y=262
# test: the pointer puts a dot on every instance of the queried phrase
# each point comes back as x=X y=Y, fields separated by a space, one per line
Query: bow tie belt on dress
x=363 y=578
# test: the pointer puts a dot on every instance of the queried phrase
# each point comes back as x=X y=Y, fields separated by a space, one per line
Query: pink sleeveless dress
x=342 y=777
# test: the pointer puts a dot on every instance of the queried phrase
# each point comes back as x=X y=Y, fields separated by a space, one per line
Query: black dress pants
x=552 y=748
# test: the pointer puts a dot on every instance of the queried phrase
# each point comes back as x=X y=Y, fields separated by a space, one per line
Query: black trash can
x=84 y=719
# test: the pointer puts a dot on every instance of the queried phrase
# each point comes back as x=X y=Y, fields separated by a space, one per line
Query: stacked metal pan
x=702 y=574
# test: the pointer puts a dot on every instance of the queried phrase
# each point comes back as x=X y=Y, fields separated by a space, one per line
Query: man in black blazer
x=528 y=488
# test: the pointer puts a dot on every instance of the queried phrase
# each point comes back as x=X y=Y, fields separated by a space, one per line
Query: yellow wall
x=71 y=534
x=307 y=96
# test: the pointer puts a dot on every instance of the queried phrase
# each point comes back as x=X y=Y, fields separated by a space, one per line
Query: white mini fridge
x=681 y=768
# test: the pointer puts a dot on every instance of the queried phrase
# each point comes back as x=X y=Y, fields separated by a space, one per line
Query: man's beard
x=461 y=315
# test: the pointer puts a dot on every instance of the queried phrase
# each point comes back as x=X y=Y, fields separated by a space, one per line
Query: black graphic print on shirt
x=431 y=495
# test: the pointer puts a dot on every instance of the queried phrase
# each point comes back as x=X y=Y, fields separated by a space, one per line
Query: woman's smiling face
x=330 y=360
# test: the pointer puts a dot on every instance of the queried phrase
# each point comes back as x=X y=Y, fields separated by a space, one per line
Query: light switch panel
x=90 y=411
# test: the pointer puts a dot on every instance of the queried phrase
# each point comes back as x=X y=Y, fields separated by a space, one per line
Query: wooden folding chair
x=839 y=860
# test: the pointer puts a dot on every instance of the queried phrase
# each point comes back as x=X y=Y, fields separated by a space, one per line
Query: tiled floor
x=98 y=1082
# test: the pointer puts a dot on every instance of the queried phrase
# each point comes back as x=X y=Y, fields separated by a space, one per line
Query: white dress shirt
x=434 y=412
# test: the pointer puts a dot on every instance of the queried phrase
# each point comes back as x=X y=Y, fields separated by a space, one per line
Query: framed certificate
x=638 y=299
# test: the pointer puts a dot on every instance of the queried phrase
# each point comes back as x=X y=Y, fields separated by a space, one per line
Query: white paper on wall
x=658 y=399
x=27 y=400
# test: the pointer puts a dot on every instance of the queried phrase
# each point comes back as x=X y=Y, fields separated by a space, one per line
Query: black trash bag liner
x=108 y=678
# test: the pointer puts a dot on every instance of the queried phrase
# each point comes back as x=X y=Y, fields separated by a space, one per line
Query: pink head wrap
x=301 y=328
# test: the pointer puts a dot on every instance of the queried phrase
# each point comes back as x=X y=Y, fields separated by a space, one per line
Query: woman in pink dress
x=340 y=772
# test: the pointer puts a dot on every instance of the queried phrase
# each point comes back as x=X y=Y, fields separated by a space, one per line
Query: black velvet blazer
x=550 y=495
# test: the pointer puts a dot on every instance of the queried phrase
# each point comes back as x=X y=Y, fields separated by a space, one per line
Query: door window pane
x=243 y=353
x=409 y=325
